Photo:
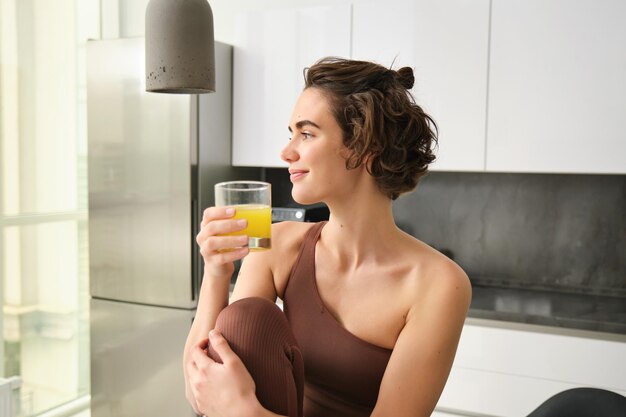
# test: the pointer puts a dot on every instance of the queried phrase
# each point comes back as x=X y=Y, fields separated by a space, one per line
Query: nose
x=289 y=152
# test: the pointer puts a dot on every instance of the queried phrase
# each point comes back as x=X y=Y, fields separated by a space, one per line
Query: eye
x=303 y=136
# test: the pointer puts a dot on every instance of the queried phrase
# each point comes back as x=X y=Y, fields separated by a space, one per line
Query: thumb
x=219 y=350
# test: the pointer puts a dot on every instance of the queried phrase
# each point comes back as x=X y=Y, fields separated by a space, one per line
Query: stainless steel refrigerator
x=153 y=160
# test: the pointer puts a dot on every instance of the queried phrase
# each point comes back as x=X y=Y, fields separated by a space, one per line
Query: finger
x=223 y=256
x=215 y=213
x=217 y=226
x=192 y=368
x=221 y=347
x=230 y=256
x=193 y=375
x=199 y=356
x=220 y=227
x=203 y=344
x=223 y=226
x=217 y=243
x=194 y=379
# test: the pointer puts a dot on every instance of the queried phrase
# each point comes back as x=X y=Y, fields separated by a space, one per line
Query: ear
x=367 y=162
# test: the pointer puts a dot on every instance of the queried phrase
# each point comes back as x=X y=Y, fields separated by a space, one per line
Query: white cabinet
x=446 y=43
x=271 y=50
x=557 y=86
x=510 y=371
x=438 y=413
x=514 y=86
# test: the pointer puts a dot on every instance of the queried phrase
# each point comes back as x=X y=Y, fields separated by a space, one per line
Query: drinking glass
x=252 y=200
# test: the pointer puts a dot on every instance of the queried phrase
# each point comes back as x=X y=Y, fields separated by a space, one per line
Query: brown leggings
x=258 y=332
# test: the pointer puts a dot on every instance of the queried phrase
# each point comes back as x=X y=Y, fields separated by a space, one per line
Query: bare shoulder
x=287 y=238
x=265 y=273
x=438 y=281
x=286 y=235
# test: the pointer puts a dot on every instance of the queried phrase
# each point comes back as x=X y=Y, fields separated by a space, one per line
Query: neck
x=361 y=230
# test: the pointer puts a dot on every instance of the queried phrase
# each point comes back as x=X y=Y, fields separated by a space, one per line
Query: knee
x=251 y=304
x=255 y=326
x=252 y=317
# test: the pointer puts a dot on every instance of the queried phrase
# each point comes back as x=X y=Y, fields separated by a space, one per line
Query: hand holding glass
x=252 y=200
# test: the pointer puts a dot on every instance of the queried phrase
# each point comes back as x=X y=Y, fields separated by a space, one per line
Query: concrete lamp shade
x=180 y=50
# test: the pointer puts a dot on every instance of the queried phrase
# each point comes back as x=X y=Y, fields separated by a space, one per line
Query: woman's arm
x=213 y=298
x=218 y=269
x=424 y=352
x=255 y=279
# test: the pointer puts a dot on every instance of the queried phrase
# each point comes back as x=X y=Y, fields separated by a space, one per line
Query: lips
x=296 y=174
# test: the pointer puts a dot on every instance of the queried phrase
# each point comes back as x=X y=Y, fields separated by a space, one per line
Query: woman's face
x=315 y=152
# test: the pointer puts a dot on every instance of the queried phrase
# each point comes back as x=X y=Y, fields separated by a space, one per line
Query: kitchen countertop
x=550 y=308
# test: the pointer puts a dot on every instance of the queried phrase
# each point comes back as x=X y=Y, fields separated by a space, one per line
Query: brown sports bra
x=342 y=372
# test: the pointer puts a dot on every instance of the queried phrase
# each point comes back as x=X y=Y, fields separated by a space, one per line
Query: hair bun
x=406 y=78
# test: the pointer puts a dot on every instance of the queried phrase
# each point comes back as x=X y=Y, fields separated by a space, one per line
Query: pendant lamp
x=180 y=50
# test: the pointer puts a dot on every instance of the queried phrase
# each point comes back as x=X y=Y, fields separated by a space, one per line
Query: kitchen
x=539 y=186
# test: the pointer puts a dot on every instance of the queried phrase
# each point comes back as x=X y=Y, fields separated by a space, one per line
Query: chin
x=303 y=198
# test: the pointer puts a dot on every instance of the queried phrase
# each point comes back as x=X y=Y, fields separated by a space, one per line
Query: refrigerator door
x=140 y=181
x=136 y=360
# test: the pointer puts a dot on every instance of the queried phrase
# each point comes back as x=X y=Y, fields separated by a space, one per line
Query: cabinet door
x=439 y=413
x=496 y=361
x=446 y=44
x=271 y=50
x=557 y=86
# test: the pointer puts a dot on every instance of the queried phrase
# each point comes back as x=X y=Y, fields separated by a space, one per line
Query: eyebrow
x=302 y=123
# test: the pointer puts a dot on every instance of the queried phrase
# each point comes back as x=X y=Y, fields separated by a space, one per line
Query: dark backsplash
x=543 y=231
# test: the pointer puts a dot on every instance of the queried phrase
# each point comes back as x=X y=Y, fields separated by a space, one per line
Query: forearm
x=213 y=298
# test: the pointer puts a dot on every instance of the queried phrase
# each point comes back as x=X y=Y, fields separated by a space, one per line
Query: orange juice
x=259 y=228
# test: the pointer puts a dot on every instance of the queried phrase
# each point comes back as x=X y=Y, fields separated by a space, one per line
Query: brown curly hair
x=381 y=123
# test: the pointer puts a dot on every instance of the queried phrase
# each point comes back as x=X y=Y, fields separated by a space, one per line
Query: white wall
x=132 y=14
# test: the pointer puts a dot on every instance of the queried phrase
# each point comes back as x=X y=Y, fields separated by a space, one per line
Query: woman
x=374 y=314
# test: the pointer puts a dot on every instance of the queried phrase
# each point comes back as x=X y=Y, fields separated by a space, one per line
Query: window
x=43 y=198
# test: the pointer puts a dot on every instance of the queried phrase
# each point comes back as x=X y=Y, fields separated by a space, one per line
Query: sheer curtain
x=43 y=198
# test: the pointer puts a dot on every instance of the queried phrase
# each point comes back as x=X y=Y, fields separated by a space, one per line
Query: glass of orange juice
x=252 y=200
